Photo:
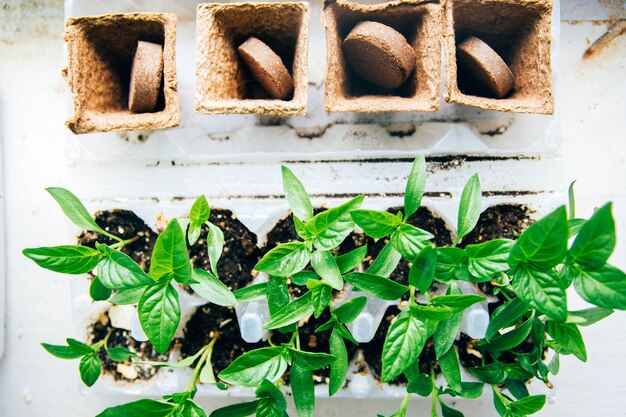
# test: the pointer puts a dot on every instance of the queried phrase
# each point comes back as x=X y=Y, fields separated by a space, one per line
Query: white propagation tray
x=336 y=156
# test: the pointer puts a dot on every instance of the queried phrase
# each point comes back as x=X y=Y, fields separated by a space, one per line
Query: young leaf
x=64 y=259
x=469 y=390
x=292 y=313
x=415 y=185
x=311 y=360
x=97 y=291
x=303 y=390
x=272 y=402
x=421 y=385
x=285 y=260
x=517 y=388
x=128 y=296
x=277 y=294
x=79 y=347
x=191 y=409
x=351 y=260
x=199 y=214
x=159 y=314
x=422 y=271
x=322 y=294
x=183 y=363
x=510 y=339
x=431 y=312
x=596 y=240
x=404 y=342
x=386 y=261
x=544 y=243
x=212 y=289
x=485 y=260
x=568 y=337
x=376 y=224
x=62 y=352
x=297 y=196
x=76 y=212
x=457 y=302
x=251 y=368
x=90 y=369
x=118 y=271
x=571 y=200
x=450 y=261
x=119 y=354
x=409 y=240
x=325 y=265
x=251 y=292
x=332 y=226
x=215 y=246
x=170 y=259
x=339 y=368
x=449 y=364
x=469 y=207
x=378 y=286
x=588 y=316
x=543 y=290
x=604 y=287
x=234 y=410
x=303 y=277
x=446 y=333
x=142 y=408
x=493 y=373
x=505 y=316
x=447 y=411
x=528 y=405
x=349 y=311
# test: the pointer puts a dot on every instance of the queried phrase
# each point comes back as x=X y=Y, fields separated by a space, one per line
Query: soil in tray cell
x=126 y=225
x=240 y=254
x=124 y=371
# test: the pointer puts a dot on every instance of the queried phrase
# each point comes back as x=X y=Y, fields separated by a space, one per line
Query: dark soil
x=121 y=338
x=126 y=225
x=469 y=353
x=240 y=255
x=372 y=351
x=209 y=320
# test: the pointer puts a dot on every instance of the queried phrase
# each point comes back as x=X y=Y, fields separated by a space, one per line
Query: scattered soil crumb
x=312 y=132
x=400 y=130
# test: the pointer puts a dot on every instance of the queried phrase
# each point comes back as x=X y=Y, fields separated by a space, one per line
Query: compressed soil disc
x=379 y=54
x=481 y=63
x=267 y=68
x=145 y=77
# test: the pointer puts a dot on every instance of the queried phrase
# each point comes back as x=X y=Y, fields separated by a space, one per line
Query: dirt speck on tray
x=126 y=225
x=124 y=371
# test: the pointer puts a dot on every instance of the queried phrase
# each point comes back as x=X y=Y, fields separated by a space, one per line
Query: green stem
x=297 y=336
x=206 y=354
x=433 y=410
x=122 y=243
x=411 y=295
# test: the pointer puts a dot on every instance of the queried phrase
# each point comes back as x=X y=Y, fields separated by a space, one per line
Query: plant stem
x=206 y=353
x=411 y=295
x=297 y=336
x=122 y=243
x=433 y=409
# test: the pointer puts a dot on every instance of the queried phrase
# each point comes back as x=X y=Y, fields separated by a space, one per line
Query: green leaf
x=322 y=295
x=285 y=260
x=571 y=200
x=183 y=363
x=62 y=352
x=272 y=402
x=159 y=314
x=118 y=271
x=212 y=289
x=90 y=369
x=64 y=259
x=588 y=316
x=409 y=240
x=351 y=260
x=404 y=342
x=421 y=385
x=604 y=287
x=215 y=246
x=378 y=286
x=510 y=339
x=332 y=226
x=448 y=411
x=297 y=196
x=191 y=409
x=415 y=185
x=528 y=405
x=446 y=333
x=234 y=410
x=251 y=368
x=198 y=215
x=469 y=207
x=517 y=387
x=128 y=296
x=431 y=312
x=301 y=229
x=326 y=266
x=277 y=294
x=568 y=337
x=251 y=292
x=555 y=364
x=303 y=277
x=119 y=354
x=376 y=224
x=311 y=360
x=494 y=373
x=339 y=368
x=386 y=261
x=76 y=212
x=574 y=226
x=422 y=271
x=350 y=310
x=449 y=364
x=303 y=390
x=457 y=302
x=79 y=347
x=506 y=315
x=292 y=313
x=449 y=262
x=596 y=240
x=170 y=259
x=542 y=290
x=487 y=259
x=97 y=291
x=142 y=408
x=469 y=390
x=544 y=243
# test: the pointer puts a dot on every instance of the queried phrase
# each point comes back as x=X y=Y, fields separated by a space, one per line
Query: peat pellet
x=145 y=77
x=267 y=68
x=379 y=54
x=480 y=62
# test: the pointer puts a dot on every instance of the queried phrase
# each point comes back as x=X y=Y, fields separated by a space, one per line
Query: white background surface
x=32 y=110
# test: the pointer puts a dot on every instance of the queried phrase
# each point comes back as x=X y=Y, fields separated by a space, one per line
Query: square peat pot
x=223 y=83
x=419 y=22
x=101 y=50
x=520 y=31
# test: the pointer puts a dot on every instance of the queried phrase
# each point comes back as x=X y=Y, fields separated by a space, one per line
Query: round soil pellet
x=480 y=62
x=145 y=77
x=379 y=54
x=267 y=68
